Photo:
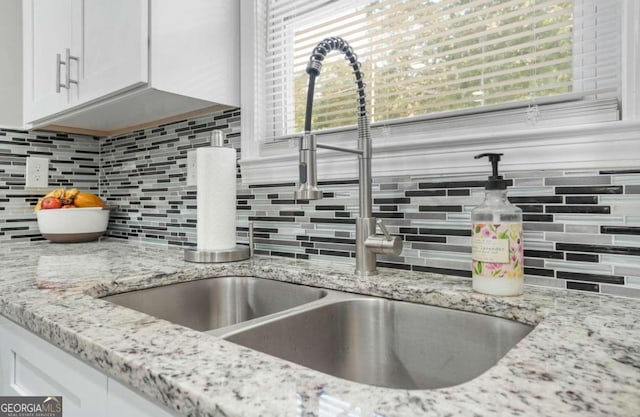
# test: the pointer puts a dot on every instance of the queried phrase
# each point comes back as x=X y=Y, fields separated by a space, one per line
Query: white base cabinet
x=30 y=366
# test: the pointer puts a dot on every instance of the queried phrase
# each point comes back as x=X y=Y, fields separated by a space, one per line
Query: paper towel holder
x=217 y=138
x=237 y=253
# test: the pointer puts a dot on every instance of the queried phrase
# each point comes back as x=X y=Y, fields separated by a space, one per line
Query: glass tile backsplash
x=582 y=227
x=73 y=162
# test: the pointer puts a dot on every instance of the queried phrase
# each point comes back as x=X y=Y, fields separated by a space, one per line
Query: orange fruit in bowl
x=87 y=200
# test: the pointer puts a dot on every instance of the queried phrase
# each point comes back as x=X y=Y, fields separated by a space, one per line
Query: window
x=433 y=59
x=552 y=84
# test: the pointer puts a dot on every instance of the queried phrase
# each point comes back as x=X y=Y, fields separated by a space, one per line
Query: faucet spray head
x=308 y=189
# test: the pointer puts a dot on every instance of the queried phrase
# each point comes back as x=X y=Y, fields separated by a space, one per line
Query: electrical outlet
x=37 y=172
x=192 y=168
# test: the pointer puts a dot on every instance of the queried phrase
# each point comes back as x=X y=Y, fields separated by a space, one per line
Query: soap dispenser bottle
x=497 y=253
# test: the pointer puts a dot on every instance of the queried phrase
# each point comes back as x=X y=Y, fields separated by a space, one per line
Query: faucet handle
x=386 y=245
x=385 y=232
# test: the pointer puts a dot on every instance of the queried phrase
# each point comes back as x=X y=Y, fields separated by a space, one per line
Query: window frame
x=412 y=151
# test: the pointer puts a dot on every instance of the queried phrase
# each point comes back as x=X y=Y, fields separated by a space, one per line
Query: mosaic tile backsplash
x=582 y=227
x=73 y=163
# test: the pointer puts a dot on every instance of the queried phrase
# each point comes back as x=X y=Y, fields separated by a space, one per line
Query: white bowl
x=73 y=224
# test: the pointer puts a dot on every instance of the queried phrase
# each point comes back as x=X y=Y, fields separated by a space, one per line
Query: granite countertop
x=582 y=358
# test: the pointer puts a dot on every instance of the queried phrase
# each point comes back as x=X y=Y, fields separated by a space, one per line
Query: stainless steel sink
x=387 y=343
x=217 y=302
x=359 y=338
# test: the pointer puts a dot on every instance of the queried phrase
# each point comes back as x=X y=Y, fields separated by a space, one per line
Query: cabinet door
x=6 y=359
x=112 y=47
x=46 y=32
x=32 y=366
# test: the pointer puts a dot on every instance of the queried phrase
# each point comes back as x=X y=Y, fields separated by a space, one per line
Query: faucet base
x=365 y=258
x=365 y=274
x=369 y=244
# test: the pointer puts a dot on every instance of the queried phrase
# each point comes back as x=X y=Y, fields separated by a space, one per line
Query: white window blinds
x=436 y=58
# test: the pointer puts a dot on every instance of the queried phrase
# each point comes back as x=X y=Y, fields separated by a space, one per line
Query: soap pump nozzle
x=496 y=182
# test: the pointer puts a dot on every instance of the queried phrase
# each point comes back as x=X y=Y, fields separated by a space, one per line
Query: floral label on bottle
x=497 y=250
x=490 y=250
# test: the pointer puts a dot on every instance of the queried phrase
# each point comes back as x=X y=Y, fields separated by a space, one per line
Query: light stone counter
x=582 y=359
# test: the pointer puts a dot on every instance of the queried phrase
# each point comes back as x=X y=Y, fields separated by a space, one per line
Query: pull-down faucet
x=368 y=242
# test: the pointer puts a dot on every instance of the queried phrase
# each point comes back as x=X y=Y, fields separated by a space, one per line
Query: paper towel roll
x=216 y=198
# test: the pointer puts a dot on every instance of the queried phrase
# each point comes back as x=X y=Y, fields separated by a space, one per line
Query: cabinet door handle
x=68 y=80
x=59 y=63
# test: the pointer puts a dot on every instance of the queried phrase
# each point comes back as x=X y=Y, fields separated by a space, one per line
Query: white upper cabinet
x=107 y=66
x=114 y=47
x=80 y=50
x=11 y=67
x=46 y=35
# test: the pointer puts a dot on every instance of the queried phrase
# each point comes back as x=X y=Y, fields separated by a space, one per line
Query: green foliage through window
x=428 y=56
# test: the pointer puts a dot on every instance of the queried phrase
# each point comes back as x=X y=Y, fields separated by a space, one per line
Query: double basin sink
x=364 y=339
